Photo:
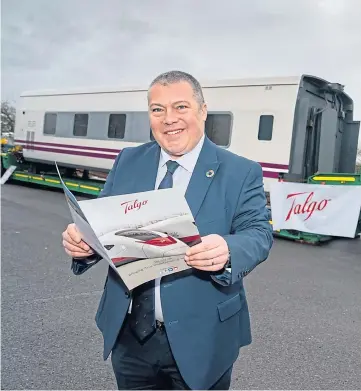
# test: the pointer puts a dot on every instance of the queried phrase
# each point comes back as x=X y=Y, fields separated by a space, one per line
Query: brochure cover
x=142 y=236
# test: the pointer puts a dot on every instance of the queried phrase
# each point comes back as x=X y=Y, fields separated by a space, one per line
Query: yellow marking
x=335 y=178
x=71 y=184
x=89 y=187
x=56 y=181
x=52 y=180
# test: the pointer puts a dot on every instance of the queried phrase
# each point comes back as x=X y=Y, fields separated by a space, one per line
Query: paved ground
x=305 y=305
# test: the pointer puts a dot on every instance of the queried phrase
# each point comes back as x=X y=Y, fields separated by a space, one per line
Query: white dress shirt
x=181 y=178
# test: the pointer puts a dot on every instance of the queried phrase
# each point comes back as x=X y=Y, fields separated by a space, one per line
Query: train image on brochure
x=292 y=126
x=144 y=244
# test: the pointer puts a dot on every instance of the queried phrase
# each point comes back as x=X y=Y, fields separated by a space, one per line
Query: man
x=193 y=323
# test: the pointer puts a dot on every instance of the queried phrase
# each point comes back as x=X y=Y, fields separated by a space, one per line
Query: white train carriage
x=260 y=119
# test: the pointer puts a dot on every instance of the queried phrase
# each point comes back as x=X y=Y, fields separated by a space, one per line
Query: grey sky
x=60 y=43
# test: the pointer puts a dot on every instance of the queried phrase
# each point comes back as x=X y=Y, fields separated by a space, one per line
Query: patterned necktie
x=142 y=317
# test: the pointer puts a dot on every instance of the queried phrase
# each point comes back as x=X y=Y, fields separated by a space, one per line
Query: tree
x=7 y=117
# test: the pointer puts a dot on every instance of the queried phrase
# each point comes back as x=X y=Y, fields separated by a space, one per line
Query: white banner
x=321 y=209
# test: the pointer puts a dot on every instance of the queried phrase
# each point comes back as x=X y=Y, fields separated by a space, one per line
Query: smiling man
x=184 y=331
x=177 y=122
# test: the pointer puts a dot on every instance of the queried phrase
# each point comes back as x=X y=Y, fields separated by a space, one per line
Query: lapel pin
x=209 y=173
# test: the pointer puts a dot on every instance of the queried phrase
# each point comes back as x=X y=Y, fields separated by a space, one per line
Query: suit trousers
x=150 y=366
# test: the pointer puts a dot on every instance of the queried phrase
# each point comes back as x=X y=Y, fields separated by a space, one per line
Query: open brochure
x=142 y=236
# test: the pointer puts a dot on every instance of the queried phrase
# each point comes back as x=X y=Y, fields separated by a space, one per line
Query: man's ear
x=204 y=111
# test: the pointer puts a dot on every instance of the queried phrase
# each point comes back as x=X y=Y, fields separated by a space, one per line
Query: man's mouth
x=172 y=132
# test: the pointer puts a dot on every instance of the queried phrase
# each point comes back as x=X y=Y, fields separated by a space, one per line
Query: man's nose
x=170 y=117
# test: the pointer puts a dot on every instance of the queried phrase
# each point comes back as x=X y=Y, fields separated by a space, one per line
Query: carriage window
x=50 y=123
x=218 y=128
x=265 y=128
x=80 y=125
x=116 y=127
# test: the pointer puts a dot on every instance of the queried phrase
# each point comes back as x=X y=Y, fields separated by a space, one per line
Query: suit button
x=127 y=294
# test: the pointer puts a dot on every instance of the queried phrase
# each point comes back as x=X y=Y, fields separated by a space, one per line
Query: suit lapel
x=203 y=175
x=146 y=169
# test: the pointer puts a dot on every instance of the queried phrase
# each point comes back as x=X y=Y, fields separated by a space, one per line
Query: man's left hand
x=210 y=255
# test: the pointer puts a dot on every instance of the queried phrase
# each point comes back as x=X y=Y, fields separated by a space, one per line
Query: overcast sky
x=61 y=43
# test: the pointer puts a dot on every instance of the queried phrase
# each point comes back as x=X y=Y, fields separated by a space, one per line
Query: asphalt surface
x=305 y=304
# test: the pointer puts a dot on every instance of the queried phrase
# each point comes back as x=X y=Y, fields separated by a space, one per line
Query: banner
x=331 y=210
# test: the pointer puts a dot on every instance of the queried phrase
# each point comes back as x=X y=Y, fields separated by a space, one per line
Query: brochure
x=142 y=236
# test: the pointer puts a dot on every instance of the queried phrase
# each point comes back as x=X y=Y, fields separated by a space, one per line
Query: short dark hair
x=176 y=77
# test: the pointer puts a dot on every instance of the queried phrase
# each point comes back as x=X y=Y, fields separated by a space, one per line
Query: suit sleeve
x=79 y=266
x=251 y=237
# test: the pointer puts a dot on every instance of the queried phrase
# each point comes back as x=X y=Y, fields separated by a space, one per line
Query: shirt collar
x=187 y=161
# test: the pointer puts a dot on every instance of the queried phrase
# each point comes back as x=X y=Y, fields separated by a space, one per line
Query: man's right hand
x=73 y=244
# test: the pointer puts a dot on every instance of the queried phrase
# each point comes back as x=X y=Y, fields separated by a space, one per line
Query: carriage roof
x=286 y=80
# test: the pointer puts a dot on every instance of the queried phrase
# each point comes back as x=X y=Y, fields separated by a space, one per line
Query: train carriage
x=277 y=122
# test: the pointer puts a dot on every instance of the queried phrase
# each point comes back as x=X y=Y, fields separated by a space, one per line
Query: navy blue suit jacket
x=206 y=314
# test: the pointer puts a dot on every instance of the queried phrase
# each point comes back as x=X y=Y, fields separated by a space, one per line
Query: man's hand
x=73 y=243
x=210 y=255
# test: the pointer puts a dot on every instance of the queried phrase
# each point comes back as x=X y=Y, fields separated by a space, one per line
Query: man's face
x=176 y=119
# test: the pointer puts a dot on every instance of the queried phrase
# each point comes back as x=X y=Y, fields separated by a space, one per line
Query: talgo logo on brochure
x=308 y=207
x=133 y=205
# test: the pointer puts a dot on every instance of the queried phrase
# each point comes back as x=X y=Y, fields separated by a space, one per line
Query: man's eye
x=157 y=109
x=181 y=107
